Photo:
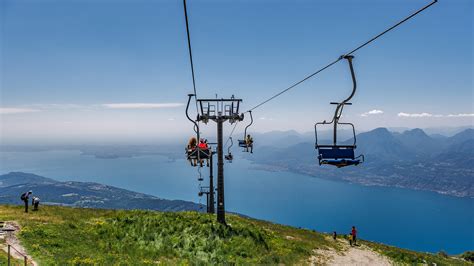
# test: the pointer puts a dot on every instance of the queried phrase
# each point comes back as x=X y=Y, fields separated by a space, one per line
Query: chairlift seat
x=340 y=162
x=242 y=143
x=339 y=156
x=203 y=153
x=336 y=152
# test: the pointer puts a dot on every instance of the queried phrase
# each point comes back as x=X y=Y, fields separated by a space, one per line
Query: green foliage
x=468 y=255
x=65 y=236
x=404 y=256
x=74 y=236
x=4 y=259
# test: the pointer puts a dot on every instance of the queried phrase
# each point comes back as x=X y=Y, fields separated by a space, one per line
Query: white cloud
x=12 y=110
x=141 y=105
x=31 y=108
x=372 y=112
x=60 y=106
x=415 y=115
x=462 y=115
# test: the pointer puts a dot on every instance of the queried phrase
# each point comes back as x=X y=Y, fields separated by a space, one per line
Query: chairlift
x=244 y=143
x=200 y=179
x=196 y=153
x=229 y=157
x=335 y=154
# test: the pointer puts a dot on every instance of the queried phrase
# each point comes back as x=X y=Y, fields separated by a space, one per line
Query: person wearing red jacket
x=204 y=147
x=354 y=235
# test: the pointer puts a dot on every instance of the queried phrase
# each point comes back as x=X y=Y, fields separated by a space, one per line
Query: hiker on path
x=25 y=198
x=354 y=235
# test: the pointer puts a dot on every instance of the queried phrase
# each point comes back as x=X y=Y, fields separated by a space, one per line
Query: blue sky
x=119 y=69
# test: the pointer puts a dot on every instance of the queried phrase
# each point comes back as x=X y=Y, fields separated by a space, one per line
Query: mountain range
x=410 y=159
x=83 y=194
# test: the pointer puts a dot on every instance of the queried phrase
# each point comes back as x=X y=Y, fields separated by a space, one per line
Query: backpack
x=23 y=196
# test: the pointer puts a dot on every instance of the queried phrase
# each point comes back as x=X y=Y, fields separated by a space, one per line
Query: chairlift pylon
x=335 y=154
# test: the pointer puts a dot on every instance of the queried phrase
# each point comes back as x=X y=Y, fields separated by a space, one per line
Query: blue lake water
x=418 y=220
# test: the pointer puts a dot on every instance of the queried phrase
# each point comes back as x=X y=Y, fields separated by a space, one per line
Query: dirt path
x=17 y=251
x=358 y=255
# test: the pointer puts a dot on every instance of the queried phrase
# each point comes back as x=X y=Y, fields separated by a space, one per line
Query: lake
x=423 y=221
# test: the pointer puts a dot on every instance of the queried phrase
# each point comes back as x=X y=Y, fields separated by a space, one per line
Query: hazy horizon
x=182 y=138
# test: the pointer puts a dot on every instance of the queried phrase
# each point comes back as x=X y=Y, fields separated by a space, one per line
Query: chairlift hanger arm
x=196 y=126
x=354 y=82
x=230 y=146
x=340 y=106
x=251 y=122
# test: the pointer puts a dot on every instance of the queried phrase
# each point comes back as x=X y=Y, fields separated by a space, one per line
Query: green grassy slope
x=409 y=257
x=65 y=236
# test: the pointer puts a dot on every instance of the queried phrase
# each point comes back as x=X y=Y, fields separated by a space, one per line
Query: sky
x=105 y=70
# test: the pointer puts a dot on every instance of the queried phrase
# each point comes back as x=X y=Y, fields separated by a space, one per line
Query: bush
x=443 y=254
x=468 y=255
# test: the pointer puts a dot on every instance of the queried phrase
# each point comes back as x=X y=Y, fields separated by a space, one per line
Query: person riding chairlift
x=249 y=143
x=191 y=147
x=204 y=147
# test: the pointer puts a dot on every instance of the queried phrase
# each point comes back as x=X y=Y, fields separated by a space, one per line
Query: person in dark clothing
x=35 y=202
x=334 y=235
x=354 y=235
x=249 y=143
x=25 y=198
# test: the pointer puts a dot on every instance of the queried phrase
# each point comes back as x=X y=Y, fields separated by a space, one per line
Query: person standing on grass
x=25 y=198
x=354 y=235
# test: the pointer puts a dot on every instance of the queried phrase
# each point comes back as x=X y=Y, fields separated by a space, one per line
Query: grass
x=60 y=235
x=409 y=257
x=73 y=236
x=4 y=259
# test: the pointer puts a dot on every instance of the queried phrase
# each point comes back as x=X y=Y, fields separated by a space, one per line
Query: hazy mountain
x=410 y=159
x=83 y=194
x=446 y=131
x=462 y=136
x=278 y=138
x=419 y=142
x=18 y=178
x=380 y=144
